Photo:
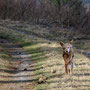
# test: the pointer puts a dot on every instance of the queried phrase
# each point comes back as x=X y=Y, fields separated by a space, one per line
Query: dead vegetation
x=62 y=13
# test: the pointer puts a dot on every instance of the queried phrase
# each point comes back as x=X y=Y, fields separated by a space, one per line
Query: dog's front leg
x=71 y=69
x=66 y=71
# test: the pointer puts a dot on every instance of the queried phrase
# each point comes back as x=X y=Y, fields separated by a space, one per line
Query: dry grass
x=58 y=81
x=47 y=55
x=4 y=67
x=54 y=33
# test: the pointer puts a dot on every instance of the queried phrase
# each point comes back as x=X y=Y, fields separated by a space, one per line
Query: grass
x=4 y=67
x=57 y=34
x=47 y=55
x=4 y=57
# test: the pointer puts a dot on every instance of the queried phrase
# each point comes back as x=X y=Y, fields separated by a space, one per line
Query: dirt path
x=21 y=79
x=22 y=76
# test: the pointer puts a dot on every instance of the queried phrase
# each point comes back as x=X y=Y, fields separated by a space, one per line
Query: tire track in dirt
x=23 y=74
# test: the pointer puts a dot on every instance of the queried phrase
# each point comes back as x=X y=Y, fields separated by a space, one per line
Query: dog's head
x=67 y=47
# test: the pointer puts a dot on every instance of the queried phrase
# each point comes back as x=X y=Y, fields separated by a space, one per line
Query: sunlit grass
x=48 y=56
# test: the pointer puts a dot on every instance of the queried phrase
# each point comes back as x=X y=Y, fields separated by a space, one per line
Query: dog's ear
x=61 y=43
x=71 y=42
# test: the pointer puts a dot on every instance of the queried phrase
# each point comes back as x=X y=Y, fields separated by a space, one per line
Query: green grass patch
x=12 y=37
x=25 y=44
x=4 y=56
x=40 y=87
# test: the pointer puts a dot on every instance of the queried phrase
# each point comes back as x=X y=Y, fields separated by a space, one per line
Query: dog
x=68 y=55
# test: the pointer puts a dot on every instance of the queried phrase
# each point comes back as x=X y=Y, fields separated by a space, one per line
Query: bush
x=60 y=12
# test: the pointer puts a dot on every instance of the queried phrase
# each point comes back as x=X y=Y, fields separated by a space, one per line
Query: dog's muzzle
x=68 y=51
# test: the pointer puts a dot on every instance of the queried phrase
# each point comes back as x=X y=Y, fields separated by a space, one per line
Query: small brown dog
x=68 y=55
